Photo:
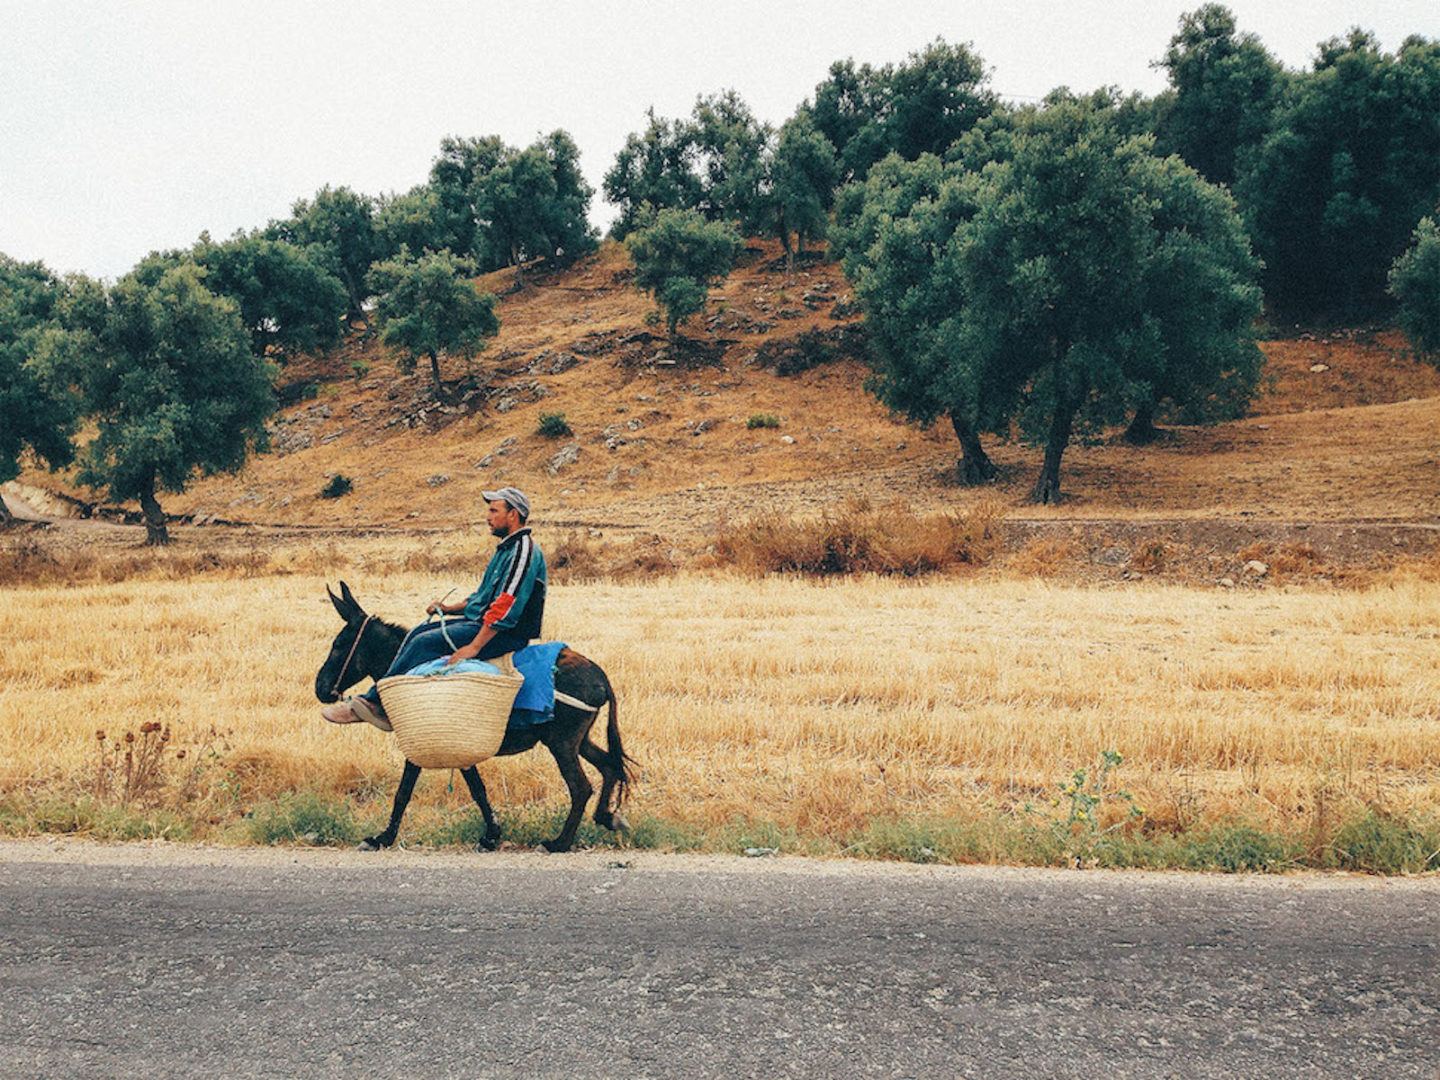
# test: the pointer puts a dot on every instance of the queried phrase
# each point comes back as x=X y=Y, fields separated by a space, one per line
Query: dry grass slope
x=1354 y=440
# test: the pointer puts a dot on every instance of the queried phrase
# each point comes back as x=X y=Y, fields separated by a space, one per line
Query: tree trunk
x=1047 y=487
x=519 y=270
x=155 y=531
x=783 y=231
x=356 y=307
x=1142 y=430
x=974 y=466
x=435 y=375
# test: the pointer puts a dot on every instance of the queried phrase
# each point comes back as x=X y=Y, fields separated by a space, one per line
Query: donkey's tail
x=622 y=762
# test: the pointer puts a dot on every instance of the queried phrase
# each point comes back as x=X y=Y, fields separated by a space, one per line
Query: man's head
x=508 y=510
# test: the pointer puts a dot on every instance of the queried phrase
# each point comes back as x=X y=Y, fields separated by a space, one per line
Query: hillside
x=1347 y=427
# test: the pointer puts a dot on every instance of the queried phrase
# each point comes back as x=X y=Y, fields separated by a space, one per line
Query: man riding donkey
x=501 y=616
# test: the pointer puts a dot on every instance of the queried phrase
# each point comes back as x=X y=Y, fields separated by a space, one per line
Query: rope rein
x=351 y=656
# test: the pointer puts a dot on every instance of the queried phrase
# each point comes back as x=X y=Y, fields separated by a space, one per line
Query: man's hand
x=465 y=652
x=435 y=607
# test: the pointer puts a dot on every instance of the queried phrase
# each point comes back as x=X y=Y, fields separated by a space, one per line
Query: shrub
x=305 y=818
x=339 y=485
x=574 y=557
x=763 y=420
x=1380 y=844
x=553 y=425
x=1236 y=848
x=860 y=538
x=929 y=840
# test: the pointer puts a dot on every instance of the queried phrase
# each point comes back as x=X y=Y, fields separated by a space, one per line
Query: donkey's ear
x=350 y=601
x=338 y=603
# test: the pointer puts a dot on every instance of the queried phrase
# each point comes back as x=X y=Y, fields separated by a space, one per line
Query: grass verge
x=1372 y=841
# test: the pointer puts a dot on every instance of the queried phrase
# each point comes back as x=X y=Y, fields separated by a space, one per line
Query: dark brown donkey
x=365 y=646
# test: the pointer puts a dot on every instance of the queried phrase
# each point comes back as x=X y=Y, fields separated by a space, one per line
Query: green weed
x=303 y=818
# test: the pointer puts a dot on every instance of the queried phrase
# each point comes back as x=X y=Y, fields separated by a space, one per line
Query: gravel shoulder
x=159 y=854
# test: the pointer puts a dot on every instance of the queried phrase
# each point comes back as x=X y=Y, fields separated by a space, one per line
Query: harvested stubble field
x=934 y=719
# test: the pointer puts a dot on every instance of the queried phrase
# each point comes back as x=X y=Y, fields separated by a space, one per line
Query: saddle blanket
x=535 y=703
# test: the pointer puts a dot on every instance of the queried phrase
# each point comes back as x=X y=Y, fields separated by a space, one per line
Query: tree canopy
x=167 y=374
x=1335 y=189
x=338 y=226
x=920 y=106
x=654 y=170
x=803 y=175
x=37 y=409
x=287 y=299
x=1225 y=86
x=679 y=257
x=414 y=222
x=533 y=204
x=1415 y=285
x=732 y=154
x=428 y=306
x=453 y=173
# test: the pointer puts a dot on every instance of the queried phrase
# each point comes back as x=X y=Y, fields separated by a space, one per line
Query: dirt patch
x=1341 y=368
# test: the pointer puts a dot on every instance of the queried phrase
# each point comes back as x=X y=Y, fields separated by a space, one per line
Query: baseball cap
x=514 y=496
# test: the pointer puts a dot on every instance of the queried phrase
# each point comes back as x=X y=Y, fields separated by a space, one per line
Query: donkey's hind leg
x=491 y=840
x=609 y=777
x=402 y=800
x=568 y=759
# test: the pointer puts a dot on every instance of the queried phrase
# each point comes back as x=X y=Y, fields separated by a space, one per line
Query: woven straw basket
x=451 y=721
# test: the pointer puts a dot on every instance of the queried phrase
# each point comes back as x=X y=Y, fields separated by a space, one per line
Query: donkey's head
x=350 y=658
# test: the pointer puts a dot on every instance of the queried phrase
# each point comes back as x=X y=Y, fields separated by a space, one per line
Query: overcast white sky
x=126 y=127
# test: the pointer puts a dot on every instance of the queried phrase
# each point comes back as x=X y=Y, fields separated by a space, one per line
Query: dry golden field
x=815 y=708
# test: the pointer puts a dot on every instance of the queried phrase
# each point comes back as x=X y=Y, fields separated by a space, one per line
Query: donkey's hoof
x=371 y=843
x=604 y=820
x=488 y=842
x=554 y=847
x=611 y=820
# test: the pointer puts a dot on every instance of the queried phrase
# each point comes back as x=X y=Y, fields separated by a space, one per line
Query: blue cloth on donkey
x=535 y=703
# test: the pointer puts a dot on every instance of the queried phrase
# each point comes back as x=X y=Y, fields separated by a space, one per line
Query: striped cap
x=514 y=496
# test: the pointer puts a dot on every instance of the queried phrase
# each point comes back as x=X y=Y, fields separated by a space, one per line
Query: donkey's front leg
x=402 y=800
x=491 y=840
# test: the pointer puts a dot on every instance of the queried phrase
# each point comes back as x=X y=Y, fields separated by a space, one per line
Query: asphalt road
x=151 y=962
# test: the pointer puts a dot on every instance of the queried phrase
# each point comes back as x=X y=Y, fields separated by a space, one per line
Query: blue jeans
x=426 y=643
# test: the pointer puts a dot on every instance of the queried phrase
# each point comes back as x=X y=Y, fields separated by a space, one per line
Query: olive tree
x=1224 y=87
x=679 y=257
x=169 y=379
x=533 y=204
x=1065 y=287
x=428 y=306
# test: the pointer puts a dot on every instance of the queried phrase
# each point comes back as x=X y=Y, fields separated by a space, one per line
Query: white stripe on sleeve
x=522 y=564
